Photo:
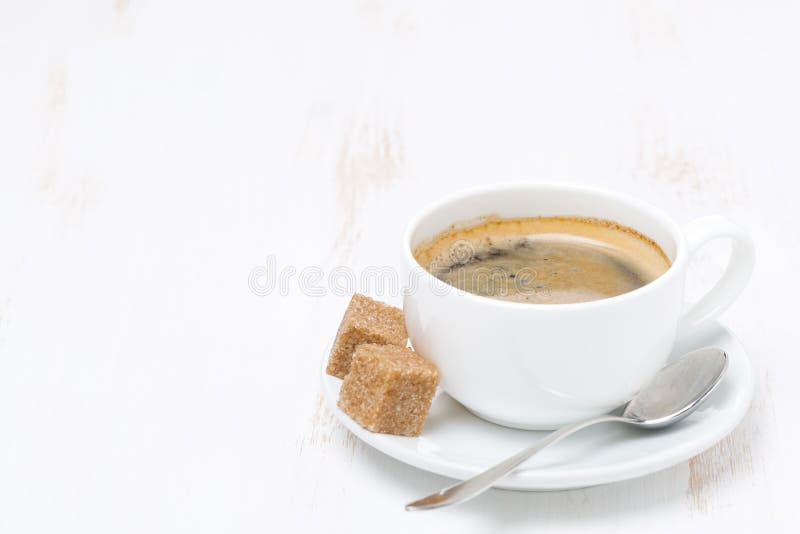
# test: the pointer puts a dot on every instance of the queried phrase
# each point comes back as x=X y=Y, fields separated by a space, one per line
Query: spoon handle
x=467 y=489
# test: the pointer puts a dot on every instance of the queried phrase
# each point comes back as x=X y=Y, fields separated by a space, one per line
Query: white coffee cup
x=540 y=366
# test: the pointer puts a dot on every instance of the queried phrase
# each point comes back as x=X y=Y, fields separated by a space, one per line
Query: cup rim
x=656 y=213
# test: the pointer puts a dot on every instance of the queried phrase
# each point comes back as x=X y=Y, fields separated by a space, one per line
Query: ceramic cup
x=540 y=366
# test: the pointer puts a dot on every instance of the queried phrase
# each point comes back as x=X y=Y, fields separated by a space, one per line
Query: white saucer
x=457 y=444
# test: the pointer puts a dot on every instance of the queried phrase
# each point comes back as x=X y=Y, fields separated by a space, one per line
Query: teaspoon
x=675 y=392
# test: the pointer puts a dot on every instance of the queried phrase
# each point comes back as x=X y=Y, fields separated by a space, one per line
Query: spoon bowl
x=678 y=389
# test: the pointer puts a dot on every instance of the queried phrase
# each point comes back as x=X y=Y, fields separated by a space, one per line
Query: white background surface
x=152 y=154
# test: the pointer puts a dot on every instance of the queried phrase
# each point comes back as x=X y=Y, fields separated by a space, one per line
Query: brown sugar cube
x=389 y=389
x=365 y=321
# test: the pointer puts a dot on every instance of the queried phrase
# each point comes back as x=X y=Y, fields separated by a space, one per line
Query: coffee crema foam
x=544 y=260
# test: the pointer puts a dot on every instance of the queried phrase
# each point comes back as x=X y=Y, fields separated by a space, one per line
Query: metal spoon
x=673 y=394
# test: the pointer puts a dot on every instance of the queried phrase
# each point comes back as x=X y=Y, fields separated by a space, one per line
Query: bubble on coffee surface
x=545 y=260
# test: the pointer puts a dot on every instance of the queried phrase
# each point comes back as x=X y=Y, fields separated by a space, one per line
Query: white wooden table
x=154 y=154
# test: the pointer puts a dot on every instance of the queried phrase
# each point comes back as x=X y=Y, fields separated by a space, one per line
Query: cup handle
x=733 y=280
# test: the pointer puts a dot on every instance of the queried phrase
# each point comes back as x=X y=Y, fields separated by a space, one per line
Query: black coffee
x=544 y=259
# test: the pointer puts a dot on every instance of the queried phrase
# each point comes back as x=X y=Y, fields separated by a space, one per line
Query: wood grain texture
x=370 y=157
x=325 y=430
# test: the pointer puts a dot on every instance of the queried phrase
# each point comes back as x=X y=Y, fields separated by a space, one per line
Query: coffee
x=544 y=260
